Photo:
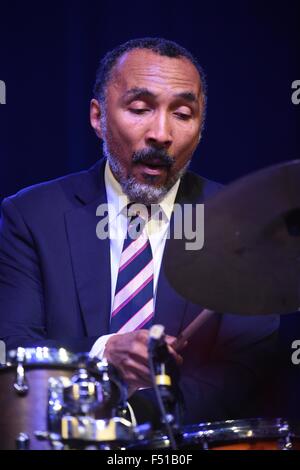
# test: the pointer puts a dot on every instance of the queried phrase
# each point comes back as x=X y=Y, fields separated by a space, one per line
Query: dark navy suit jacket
x=55 y=290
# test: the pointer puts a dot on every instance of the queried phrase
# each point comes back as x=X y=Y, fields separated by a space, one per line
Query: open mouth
x=156 y=162
x=153 y=168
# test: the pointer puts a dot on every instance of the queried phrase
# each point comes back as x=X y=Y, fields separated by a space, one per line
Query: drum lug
x=285 y=443
x=57 y=445
x=22 y=441
x=20 y=384
x=53 y=438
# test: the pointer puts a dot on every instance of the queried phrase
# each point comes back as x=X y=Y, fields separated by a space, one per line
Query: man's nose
x=159 y=133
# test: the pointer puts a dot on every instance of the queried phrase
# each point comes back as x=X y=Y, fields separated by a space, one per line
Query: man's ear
x=95 y=117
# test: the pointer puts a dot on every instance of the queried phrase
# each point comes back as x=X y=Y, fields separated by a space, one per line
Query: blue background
x=250 y=51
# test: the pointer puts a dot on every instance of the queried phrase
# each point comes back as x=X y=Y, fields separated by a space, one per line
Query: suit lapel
x=91 y=258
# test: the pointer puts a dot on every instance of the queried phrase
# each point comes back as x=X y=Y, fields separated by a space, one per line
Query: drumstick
x=201 y=318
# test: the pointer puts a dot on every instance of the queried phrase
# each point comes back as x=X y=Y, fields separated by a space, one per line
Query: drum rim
x=238 y=430
x=223 y=433
x=43 y=356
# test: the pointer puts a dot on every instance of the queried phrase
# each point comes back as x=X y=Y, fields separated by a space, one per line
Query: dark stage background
x=249 y=49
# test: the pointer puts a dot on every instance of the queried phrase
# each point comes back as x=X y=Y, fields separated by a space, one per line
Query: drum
x=249 y=434
x=50 y=397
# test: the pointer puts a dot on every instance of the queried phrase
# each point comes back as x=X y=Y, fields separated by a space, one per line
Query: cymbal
x=250 y=261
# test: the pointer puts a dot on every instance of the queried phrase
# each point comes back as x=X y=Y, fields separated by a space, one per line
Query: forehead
x=145 y=69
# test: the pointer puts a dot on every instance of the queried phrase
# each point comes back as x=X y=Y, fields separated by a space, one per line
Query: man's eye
x=138 y=110
x=183 y=116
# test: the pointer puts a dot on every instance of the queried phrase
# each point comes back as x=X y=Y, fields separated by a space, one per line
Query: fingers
x=170 y=339
x=178 y=358
x=128 y=352
x=176 y=343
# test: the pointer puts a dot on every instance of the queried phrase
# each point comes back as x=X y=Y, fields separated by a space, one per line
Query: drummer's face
x=152 y=117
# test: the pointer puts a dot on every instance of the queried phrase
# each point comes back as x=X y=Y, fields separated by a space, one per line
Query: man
x=62 y=283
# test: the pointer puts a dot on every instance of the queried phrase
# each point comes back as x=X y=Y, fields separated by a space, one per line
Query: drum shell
x=26 y=414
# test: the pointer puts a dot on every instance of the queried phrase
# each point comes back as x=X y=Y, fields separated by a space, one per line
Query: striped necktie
x=133 y=306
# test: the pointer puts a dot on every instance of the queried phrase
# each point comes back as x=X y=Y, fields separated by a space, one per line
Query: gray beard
x=138 y=192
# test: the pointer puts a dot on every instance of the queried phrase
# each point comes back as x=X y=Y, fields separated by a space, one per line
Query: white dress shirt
x=157 y=230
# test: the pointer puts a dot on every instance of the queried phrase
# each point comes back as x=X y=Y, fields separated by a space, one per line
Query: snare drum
x=44 y=391
x=250 y=434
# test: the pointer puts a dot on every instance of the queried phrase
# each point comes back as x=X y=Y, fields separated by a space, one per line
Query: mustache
x=153 y=156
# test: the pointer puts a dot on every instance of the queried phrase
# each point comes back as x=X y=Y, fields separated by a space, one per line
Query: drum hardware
x=74 y=404
x=21 y=385
x=285 y=443
x=163 y=371
x=109 y=377
x=52 y=438
x=22 y=441
x=61 y=400
x=56 y=405
x=96 y=430
x=83 y=394
x=81 y=432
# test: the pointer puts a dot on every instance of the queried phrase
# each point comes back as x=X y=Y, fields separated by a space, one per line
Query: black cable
x=161 y=404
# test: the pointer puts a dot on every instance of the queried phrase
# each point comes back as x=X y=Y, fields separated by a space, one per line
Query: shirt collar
x=119 y=200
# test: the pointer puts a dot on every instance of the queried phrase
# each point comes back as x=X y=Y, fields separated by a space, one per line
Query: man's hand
x=129 y=354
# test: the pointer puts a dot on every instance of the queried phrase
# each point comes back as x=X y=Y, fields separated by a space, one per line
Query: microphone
x=163 y=368
x=157 y=345
x=163 y=361
x=156 y=334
